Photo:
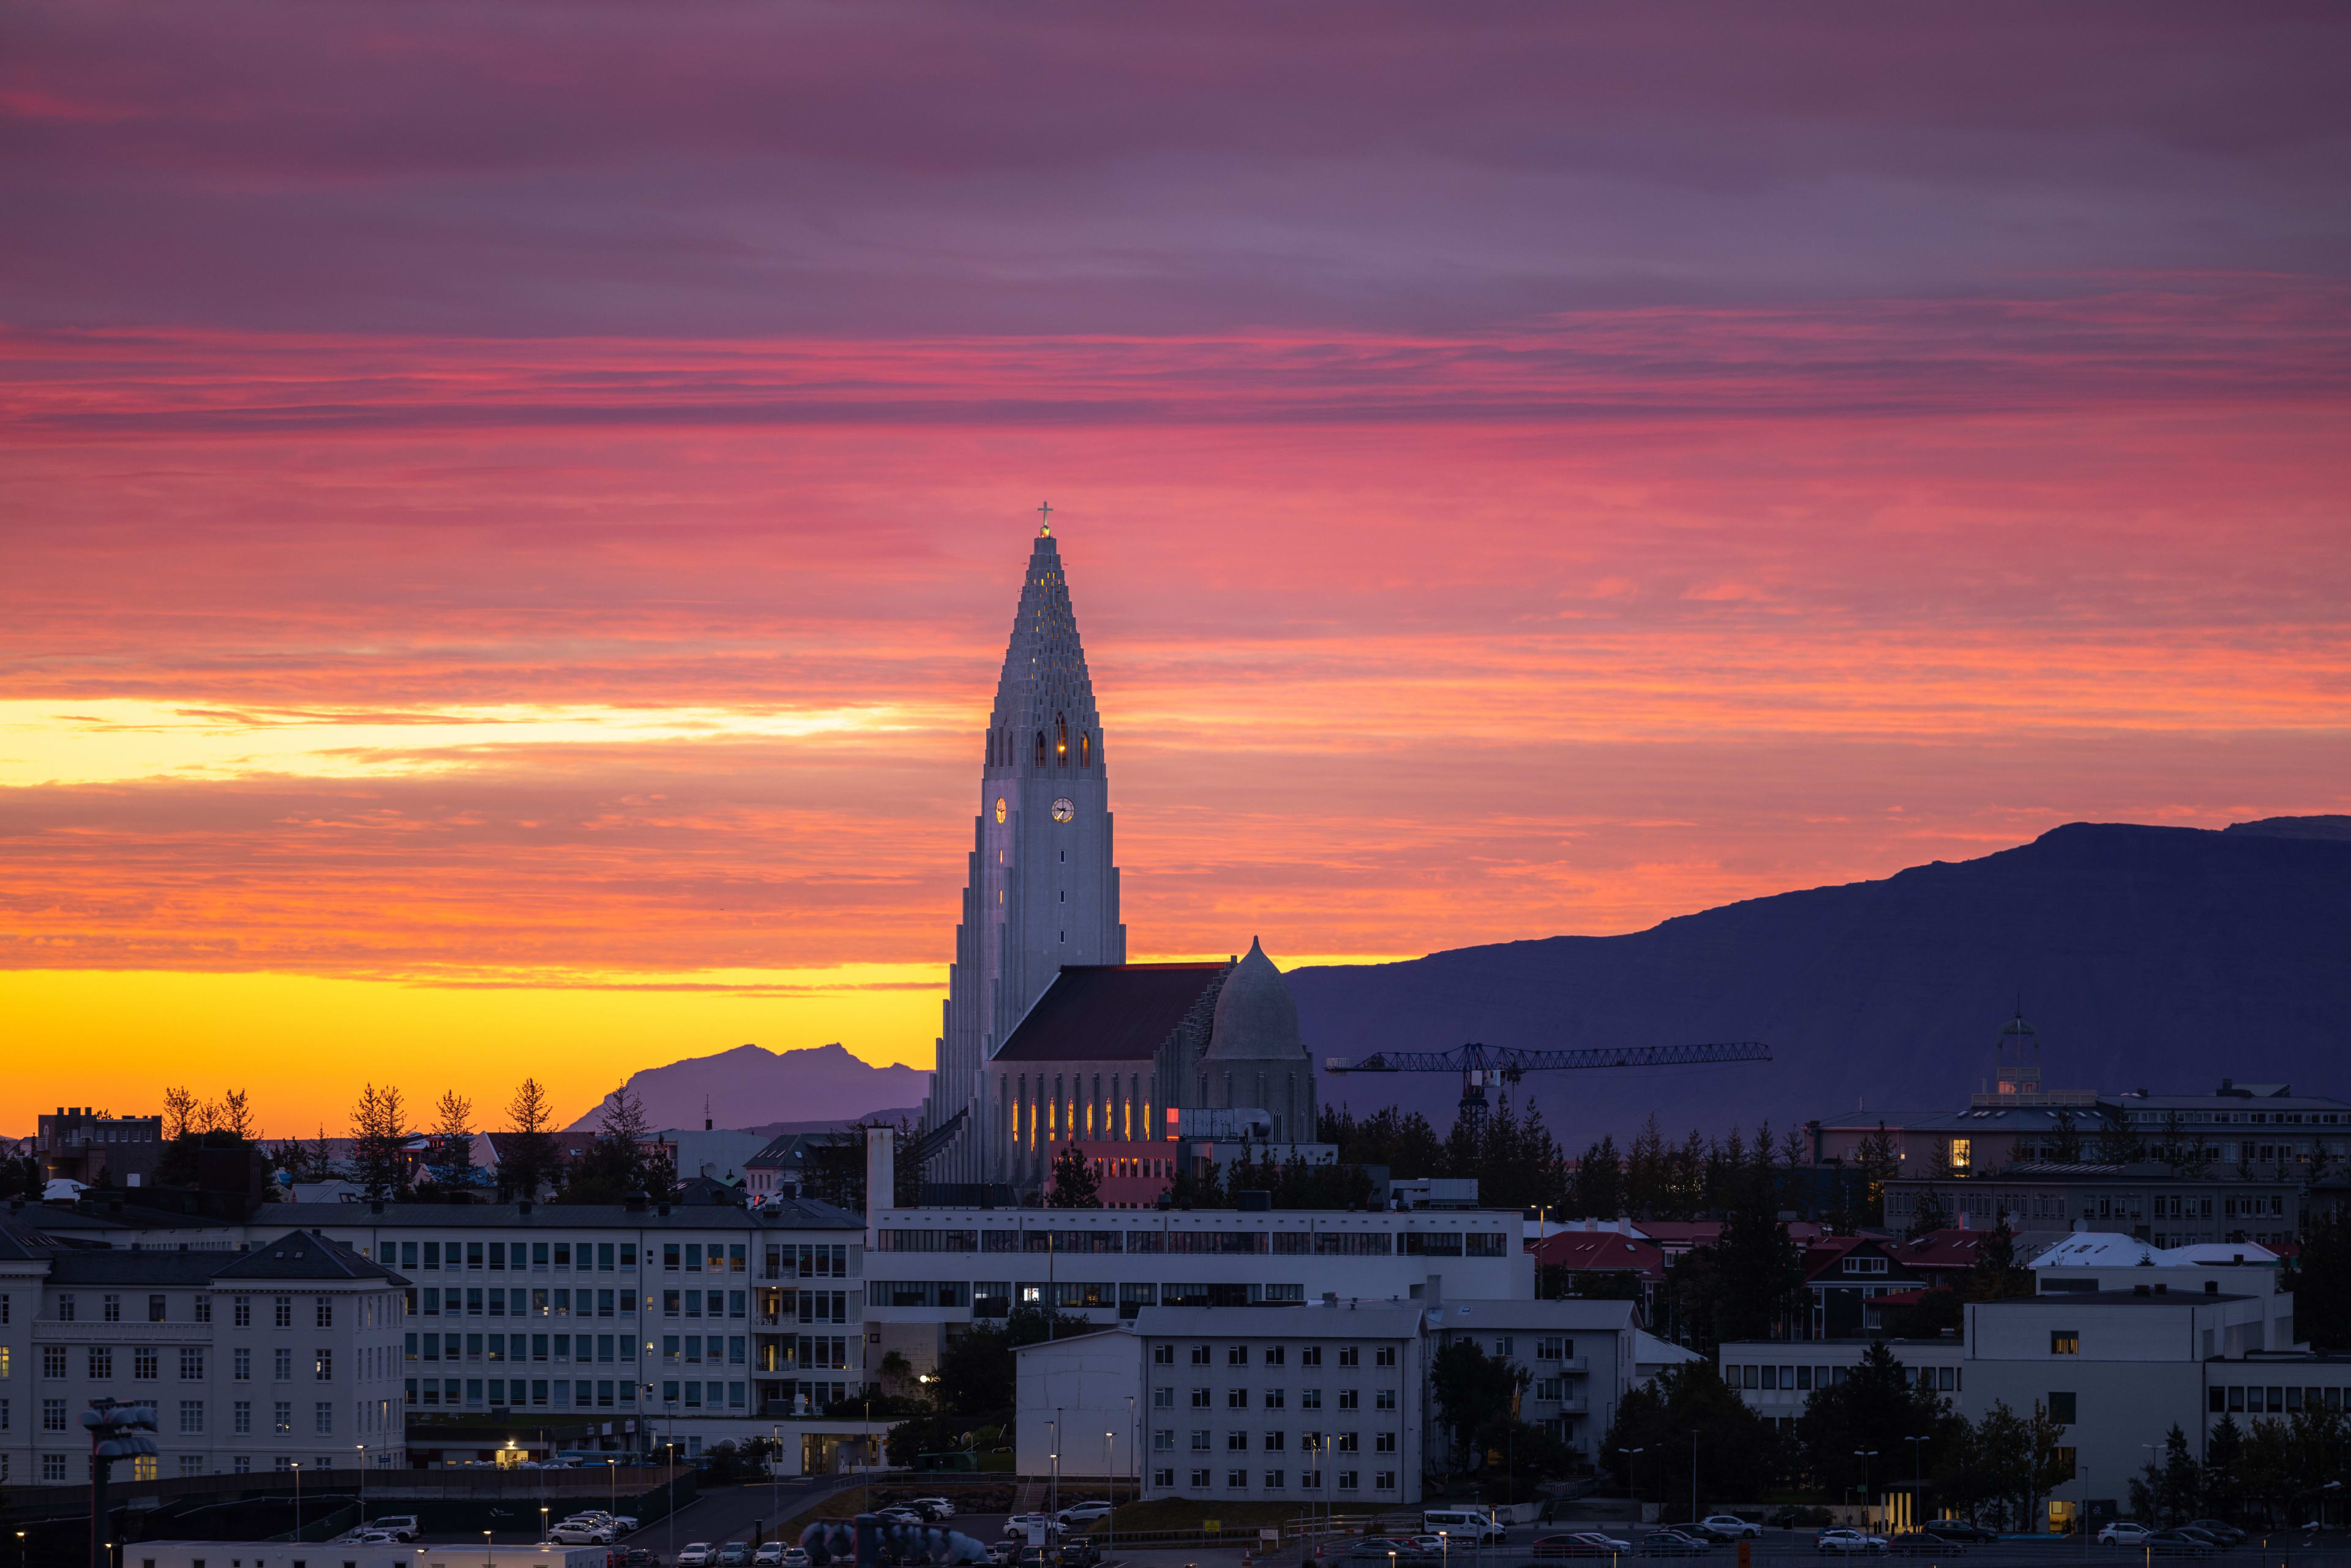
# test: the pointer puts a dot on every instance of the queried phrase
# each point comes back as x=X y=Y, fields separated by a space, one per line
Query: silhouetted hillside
x=750 y=1086
x=2161 y=957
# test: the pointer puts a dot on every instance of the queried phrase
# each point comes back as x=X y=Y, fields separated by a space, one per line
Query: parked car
x=634 y=1557
x=371 y=1538
x=1959 y=1529
x=1462 y=1525
x=697 y=1554
x=897 y=1514
x=1079 y=1553
x=936 y=1507
x=1839 y=1539
x=2178 y=1543
x=796 y=1557
x=398 y=1526
x=735 y=1554
x=1582 y=1543
x=2226 y=1534
x=1918 y=1542
x=1731 y=1525
x=1668 y=1543
x=2124 y=1532
x=1017 y=1527
x=1083 y=1512
x=1379 y=1549
x=769 y=1552
x=581 y=1532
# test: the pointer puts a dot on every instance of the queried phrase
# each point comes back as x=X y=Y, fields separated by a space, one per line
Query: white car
x=398 y=1526
x=769 y=1552
x=1017 y=1527
x=936 y=1507
x=2124 y=1532
x=581 y=1532
x=1731 y=1525
x=697 y=1554
x=1083 y=1512
x=796 y=1557
x=371 y=1538
x=1848 y=1540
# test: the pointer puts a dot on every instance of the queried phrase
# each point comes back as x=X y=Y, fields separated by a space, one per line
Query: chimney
x=881 y=1171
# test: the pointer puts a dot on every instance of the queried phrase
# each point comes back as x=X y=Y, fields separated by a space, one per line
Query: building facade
x=931 y=1273
x=75 y=1142
x=1578 y=1357
x=1321 y=1403
x=289 y=1352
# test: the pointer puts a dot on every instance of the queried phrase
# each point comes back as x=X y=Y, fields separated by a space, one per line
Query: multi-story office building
x=1321 y=1403
x=709 y=1322
x=2144 y=1199
x=931 y=1272
x=290 y=1351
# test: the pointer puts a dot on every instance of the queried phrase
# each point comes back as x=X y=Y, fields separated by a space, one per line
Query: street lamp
x=296 y=1466
x=1633 y=1475
x=1110 y=1479
x=1865 y=1456
x=1918 y=1478
x=487 y=1560
x=362 y=1484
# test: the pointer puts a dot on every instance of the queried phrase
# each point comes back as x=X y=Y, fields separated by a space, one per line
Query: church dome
x=1257 y=1017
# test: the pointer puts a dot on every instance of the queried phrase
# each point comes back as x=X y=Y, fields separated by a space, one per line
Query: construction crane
x=1480 y=1066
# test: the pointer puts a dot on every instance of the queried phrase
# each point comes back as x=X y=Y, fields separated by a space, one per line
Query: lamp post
x=487 y=1561
x=612 y=1487
x=296 y=1466
x=1918 y=1479
x=1693 y=1475
x=1865 y=1456
x=362 y=1447
x=1053 y=1490
x=1110 y=1479
x=774 y=1463
x=542 y=1524
x=669 y=1497
x=1633 y=1475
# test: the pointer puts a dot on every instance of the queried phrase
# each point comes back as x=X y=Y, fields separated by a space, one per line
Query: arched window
x=991 y=748
x=1041 y=749
x=1085 y=748
x=1060 y=740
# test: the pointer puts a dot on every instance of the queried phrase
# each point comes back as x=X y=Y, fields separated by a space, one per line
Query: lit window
x=1962 y=1153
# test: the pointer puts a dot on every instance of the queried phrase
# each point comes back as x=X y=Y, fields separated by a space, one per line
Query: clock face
x=1064 y=809
x=999 y=807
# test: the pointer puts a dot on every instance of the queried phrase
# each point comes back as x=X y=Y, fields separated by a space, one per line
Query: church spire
x=1044 y=724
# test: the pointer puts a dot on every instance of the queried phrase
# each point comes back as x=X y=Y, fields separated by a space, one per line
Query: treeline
x=385 y=1164
x=1518 y=1163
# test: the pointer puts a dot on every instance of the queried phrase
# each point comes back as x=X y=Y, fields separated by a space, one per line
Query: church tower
x=1042 y=890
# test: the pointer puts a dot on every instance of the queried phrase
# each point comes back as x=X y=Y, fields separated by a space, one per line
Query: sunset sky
x=510 y=514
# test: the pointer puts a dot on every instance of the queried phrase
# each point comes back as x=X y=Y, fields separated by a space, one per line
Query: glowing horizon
x=512 y=519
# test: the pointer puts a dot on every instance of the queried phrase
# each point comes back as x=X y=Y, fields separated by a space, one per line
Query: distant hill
x=2159 y=958
x=750 y=1086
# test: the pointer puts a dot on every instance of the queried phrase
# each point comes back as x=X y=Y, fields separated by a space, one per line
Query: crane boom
x=1480 y=1066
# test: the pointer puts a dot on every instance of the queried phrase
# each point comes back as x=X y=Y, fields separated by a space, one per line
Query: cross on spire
x=1045 y=513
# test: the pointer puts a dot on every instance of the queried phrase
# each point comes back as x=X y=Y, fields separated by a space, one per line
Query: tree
x=1599 y=1190
x=1876 y=1409
x=1995 y=1276
x=527 y=1154
x=1878 y=1160
x=2169 y=1493
x=620 y=1163
x=1477 y=1397
x=2118 y=1140
x=1930 y=1217
x=1073 y=1184
x=379 y=1140
x=2224 y=1449
x=179 y=1118
x=2022 y=1457
x=453 y=1141
x=1747 y=1283
x=2064 y=1137
x=977 y=1370
x=1685 y=1417
x=2320 y=1281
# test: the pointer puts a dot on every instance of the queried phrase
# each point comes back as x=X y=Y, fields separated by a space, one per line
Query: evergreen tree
x=1878 y=1408
x=452 y=1163
x=1073 y=1184
x=2320 y=1280
x=1599 y=1191
x=527 y=1157
x=1995 y=1275
x=379 y=1142
x=1878 y=1160
x=1699 y=1435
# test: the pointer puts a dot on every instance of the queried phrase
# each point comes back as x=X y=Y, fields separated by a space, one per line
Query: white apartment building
x=287 y=1353
x=696 y=1324
x=1579 y=1358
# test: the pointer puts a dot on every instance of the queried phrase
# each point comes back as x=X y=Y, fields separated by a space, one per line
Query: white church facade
x=1049 y=1037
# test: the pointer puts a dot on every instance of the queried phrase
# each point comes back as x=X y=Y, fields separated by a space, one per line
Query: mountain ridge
x=2156 y=955
x=749 y=1085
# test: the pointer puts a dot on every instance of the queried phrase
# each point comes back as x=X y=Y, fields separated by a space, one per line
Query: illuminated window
x=2064 y=1342
x=999 y=817
x=1085 y=748
x=1061 y=739
x=1962 y=1153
